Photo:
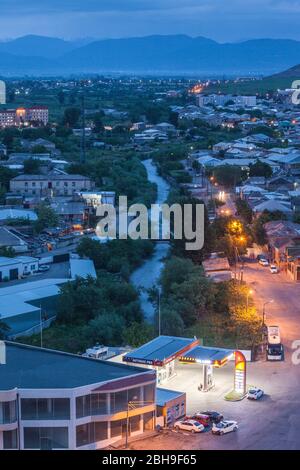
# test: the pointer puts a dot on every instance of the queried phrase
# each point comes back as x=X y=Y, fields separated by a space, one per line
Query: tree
x=228 y=175
x=39 y=149
x=98 y=123
x=80 y=301
x=47 y=217
x=259 y=233
x=173 y=118
x=4 y=329
x=32 y=166
x=6 y=174
x=106 y=329
x=71 y=116
x=171 y=323
x=260 y=168
x=61 y=97
x=7 y=251
x=137 y=334
x=244 y=210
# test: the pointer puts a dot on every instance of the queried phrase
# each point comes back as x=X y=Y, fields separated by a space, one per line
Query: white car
x=224 y=427
x=273 y=269
x=264 y=262
x=189 y=425
x=254 y=393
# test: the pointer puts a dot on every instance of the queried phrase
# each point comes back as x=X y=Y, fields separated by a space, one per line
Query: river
x=148 y=274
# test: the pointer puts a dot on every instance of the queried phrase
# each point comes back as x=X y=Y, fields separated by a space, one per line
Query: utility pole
x=82 y=143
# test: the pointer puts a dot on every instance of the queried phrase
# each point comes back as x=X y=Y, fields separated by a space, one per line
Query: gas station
x=164 y=353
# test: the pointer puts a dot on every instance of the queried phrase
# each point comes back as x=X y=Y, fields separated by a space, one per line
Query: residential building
x=54 y=400
x=12 y=240
x=14 y=268
x=272 y=205
x=19 y=116
x=50 y=185
x=217 y=268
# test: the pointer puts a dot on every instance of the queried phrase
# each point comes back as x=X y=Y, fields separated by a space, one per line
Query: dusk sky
x=232 y=20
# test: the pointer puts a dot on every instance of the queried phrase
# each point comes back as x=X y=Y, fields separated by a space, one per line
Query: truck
x=275 y=350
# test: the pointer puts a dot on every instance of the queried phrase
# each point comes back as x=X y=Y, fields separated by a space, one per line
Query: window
x=116 y=428
x=149 y=393
x=8 y=412
x=46 y=438
x=10 y=439
x=45 y=408
x=83 y=406
x=99 y=404
x=118 y=401
x=90 y=433
x=134 y=423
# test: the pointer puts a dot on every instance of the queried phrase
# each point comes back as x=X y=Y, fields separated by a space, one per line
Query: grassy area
x=268 y=84
x=234 y=396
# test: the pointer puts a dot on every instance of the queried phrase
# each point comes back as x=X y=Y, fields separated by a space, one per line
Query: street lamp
x=264 y=312
x=159 y=311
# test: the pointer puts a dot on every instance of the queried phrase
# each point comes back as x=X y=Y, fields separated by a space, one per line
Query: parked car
x=224 y=427
x=264 y=262
x=255 y=393
x=214 y=416
x=189 y=425
x=273 y=269
x=201 y=418
x=43 y=268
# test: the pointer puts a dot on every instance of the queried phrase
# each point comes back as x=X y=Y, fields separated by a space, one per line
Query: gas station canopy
x=216 y=357
x=161 y=350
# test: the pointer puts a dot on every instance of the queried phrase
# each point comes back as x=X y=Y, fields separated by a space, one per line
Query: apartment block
x=50 y=185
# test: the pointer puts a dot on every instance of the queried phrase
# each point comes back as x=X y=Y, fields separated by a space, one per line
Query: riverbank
x=147 y=275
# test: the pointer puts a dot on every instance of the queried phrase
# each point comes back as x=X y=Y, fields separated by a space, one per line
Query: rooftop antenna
x=82 y=143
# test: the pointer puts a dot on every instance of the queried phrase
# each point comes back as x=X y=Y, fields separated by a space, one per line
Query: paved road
x=273 y=422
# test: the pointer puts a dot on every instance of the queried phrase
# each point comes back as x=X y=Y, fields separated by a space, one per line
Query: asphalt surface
x=272 y=422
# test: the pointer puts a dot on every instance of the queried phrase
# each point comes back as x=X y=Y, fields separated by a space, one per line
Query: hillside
x=274 y=82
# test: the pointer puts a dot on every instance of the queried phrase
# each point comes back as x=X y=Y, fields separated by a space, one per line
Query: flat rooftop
x=16 y=299
x=216 y=264
x=163 y=396
x=206 y=355
x=160 y=350
x=82 y=268
x=28 y=367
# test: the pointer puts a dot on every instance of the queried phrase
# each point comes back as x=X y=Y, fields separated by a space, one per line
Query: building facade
x=50 y=185
x=64 y=401
x=19 y=116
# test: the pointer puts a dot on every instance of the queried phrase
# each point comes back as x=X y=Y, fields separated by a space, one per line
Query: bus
x=275 y=348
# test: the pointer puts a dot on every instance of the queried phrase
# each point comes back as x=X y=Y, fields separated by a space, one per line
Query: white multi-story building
x=55 y=400
x=50 y=185
x=222 y=100
x=19 y=116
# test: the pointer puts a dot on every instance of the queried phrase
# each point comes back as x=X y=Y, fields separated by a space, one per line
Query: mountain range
x=176 y=54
